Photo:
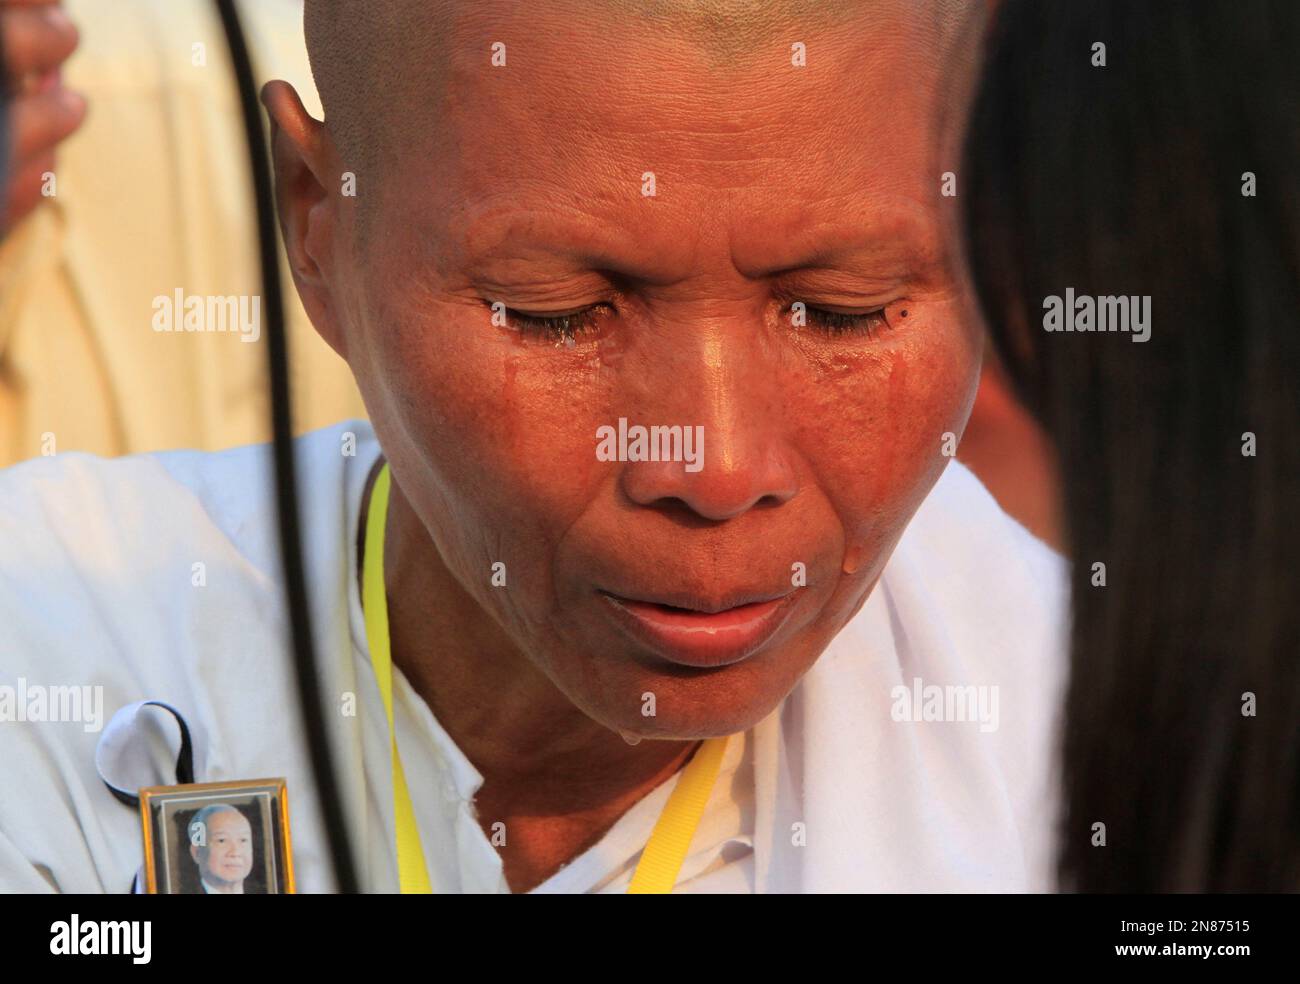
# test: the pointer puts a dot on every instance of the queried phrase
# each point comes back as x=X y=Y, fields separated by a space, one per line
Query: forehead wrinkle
x=675 y=127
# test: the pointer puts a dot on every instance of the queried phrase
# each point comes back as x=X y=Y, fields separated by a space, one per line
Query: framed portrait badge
x=217 y=838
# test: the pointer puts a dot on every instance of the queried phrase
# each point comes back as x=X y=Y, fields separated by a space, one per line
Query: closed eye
x=563 y=329
x=839 y=323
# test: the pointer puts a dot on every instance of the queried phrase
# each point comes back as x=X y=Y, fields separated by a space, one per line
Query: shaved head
x=360 y=49
x=365 y=54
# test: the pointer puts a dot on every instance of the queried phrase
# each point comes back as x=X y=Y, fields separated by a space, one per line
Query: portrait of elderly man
x=524 y=225
x=221 y=844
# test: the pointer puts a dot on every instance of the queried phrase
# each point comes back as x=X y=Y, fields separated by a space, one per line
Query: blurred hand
x=38 y=37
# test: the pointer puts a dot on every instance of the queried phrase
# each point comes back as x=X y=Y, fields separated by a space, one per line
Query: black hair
x=1171 y=171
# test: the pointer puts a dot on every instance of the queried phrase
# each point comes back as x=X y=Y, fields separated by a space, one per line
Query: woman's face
x=680 y=208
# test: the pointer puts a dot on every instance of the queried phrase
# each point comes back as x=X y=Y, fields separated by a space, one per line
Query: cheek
x=876 y=423
x=503 y=430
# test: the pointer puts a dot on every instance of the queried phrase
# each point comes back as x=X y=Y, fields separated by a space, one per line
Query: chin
x=691 y=715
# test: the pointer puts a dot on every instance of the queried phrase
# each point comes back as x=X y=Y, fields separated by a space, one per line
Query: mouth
x=697 y=634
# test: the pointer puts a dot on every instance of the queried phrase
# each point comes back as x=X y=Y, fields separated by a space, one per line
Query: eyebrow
x=899 y=234
x=498 y=236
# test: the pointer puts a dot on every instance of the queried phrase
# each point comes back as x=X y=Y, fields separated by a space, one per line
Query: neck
x=556 y=778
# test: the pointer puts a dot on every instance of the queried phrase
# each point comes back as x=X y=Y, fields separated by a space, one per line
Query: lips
x=700 y=634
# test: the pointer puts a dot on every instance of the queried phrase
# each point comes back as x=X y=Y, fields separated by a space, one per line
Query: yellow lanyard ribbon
x=664 y=853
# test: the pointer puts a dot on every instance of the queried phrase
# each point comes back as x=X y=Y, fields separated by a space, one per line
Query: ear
x=305 y=174
x=194 y=853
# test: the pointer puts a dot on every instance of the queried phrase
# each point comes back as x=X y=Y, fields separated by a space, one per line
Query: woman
x=1119 y=149
x=535 y=624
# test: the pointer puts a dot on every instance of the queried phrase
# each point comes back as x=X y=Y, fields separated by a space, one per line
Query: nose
x=723 y=398
x=736 y=477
